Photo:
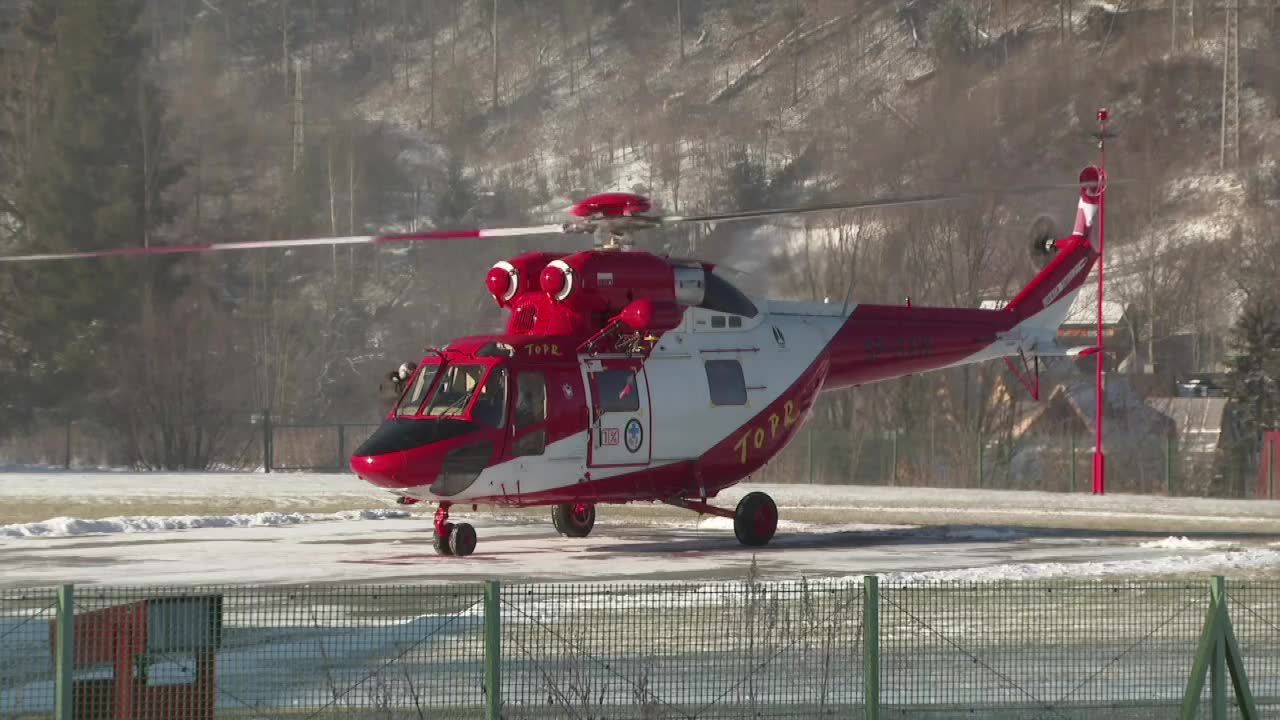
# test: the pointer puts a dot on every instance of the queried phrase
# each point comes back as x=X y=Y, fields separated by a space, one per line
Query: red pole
x=1099 y=457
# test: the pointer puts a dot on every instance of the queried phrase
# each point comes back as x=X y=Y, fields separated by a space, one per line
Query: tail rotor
x=1044 y=239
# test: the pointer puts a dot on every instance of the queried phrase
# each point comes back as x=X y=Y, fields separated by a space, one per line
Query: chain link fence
x=759 y=649
x=26 y=663
x=682 y=651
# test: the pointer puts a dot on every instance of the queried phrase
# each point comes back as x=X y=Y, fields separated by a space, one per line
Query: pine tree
x=97 y=183
x=1255 y=370
x=745 y=185
x=457 y=201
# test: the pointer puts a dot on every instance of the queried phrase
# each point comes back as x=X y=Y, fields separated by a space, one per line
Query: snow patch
x=72 y=527
x=1185 y=543
x=1255 y=559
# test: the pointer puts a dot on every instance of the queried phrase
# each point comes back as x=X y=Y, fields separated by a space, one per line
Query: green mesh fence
x=26 y=664
x=759 y=649
x=1255 y=616
x=681 y=651
x=1041 y=649
x=362 y=651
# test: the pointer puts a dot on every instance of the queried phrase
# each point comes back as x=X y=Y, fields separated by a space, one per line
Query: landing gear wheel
x=574 y=519
x=462 y=540
x=441 y=542
x=755 y=519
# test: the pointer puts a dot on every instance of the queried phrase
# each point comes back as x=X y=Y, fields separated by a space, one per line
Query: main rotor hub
x=611 y=217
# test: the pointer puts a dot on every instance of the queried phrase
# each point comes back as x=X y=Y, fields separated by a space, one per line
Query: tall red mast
x=1099 y=457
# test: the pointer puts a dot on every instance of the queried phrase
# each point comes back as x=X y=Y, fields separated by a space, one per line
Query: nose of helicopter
x=404 y=453
x=385 y=470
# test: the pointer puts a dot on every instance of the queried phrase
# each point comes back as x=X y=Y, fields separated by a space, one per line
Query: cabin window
x=735 y=321
x=717 y=321
x=616 y=391
x=728 y=387
x=531 y=410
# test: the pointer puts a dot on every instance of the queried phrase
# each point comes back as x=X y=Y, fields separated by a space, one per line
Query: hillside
x=292 y=118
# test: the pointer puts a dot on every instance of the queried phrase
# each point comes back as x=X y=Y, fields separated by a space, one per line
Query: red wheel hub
x=766 y=520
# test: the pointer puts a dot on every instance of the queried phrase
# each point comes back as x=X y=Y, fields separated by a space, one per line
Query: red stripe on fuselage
x=880 y=342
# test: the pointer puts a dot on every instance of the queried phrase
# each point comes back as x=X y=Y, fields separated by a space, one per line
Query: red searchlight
x=652 y=315
x=557 y=280
x=503 y=282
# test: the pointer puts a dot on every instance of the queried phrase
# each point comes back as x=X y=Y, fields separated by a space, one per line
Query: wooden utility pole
x=494 y=35
x=299 y=141
x=1229 y=155
x=680 y=27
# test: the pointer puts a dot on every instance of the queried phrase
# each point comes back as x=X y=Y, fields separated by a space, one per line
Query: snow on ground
x=907 y=534
x=66 y=527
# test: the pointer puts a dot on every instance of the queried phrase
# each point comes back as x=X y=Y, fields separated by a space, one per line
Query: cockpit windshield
x=459 y=385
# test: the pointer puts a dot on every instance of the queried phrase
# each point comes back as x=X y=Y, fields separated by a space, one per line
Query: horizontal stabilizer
x=1055 y=350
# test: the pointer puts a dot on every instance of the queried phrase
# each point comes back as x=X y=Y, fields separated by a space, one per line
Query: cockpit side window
x=491 y=406
x=720 y=295
x=417 y=389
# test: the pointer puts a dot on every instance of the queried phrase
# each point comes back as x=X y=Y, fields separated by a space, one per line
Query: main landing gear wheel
x=441 y=542
x=755 y=519
x=574 y=519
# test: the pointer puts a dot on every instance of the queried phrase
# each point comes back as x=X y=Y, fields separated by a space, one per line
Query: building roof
x=1199 y=420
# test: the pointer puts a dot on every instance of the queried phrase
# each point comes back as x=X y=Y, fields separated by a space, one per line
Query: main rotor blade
x=297 y=242
x=900 y=201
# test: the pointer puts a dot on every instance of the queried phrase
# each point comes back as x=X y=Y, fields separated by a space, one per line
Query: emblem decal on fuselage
x=634 y=436
x=568 y=391
x=779 y=337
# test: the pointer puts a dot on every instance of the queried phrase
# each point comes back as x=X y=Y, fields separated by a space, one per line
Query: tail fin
x=1043 y=304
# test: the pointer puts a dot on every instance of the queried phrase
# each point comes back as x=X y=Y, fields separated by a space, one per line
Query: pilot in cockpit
x=492 y=401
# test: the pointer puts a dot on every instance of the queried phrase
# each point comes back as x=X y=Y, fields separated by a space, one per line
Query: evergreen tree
x=458 y=199
x=745 y=185
x=96 y=182
x=1255 y=370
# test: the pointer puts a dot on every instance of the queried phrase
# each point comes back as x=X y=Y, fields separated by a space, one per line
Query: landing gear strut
x=574 y=519
x=755 y=520
x=452 y=539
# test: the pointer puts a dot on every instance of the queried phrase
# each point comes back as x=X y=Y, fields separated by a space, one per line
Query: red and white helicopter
x=626 y=376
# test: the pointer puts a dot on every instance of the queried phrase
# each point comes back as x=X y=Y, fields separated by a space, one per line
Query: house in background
x=1051 y=436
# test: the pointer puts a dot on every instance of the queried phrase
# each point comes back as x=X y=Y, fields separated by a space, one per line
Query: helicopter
x=626 y=376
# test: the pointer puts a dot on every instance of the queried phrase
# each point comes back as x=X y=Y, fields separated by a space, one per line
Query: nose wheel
x=452 y=539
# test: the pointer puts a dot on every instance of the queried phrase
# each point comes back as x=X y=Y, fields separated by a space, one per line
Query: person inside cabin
x=492 y=401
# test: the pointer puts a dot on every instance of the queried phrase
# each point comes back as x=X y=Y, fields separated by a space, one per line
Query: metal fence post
x=266 y=440
x=64 y=653
x=980 y=478
x=492 y=650
x=1168 y=464
x=1073 y=461
x=342 y=445
x=1218 y=668
x=810 y=434
x=871 y=646
x=1275 y=463
x=893 y=477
